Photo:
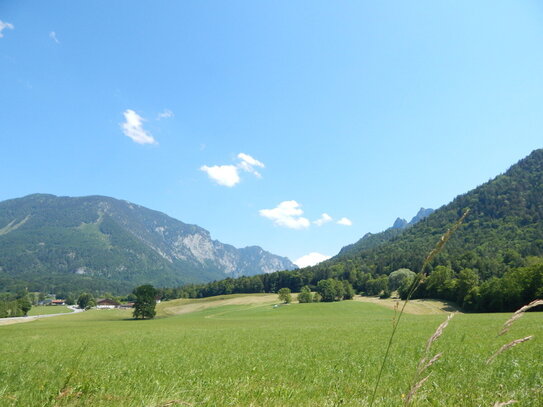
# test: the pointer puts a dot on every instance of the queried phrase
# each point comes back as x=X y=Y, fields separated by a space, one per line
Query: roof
x=107 y=301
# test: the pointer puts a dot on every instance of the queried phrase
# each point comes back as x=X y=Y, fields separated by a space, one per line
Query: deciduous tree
x=284 y=295
x=86 y=301
x=144 y=306
x=305 y=295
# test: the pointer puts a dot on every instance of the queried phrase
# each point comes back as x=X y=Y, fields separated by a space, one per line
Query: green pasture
x=48 y=309
x=322 y=354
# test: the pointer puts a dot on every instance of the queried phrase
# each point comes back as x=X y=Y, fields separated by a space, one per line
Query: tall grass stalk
x=64 y=390
x=414 y=285
x=425 y=363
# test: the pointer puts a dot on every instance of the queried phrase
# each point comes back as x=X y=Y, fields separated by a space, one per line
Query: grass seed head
x=504 y=403
x=438 y=332
x=533 y=304
x=508 y=346
x=425 y=366
x=413 y=390
x=518 y=314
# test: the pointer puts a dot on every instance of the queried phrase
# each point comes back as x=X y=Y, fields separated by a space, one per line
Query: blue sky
x=252 y=119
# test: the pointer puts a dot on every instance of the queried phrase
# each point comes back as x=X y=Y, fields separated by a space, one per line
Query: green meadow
x=248 y=353
x=48 y=310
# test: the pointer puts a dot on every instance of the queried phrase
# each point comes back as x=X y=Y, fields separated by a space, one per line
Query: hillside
x=102 y=243
x=370 y=240
x=503 y=230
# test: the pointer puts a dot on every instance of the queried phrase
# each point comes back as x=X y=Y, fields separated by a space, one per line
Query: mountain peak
x=421 y=214
x=399 y=223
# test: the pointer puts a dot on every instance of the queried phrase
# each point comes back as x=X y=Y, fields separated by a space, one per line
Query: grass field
x=47 y=310
x=244 y=352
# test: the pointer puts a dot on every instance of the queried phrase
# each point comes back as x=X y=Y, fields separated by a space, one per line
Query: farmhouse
x=128 y=305
x=107 y=304
x=58 y=302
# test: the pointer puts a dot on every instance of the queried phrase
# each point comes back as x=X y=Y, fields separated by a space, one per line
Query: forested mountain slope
x=503 y=230
x=370 y=240
x=102 y=243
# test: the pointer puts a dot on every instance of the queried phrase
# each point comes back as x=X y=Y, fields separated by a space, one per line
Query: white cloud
x=248 y=163
x=53 y=36
x=133 y=128
x=3 y=26
x=311 y=259
x=226 y=175
x=166 y=114
x=344 y=222
x=325 y=218
x=287 y=214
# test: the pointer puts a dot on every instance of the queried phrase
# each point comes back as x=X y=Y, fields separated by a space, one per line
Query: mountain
x=400 y=223
x=504 y=230
x=421 y=214
x=99 y=243
x=370 y=240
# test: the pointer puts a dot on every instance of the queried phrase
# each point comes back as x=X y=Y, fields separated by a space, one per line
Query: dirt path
x=18 y=320
x=417 y=307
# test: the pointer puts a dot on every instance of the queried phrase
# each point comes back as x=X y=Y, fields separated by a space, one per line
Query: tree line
x=465 y=287
x=15 y=305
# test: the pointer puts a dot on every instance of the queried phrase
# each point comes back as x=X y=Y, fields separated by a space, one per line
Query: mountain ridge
x=506 y=220
x=116 y=240
x=373 y=239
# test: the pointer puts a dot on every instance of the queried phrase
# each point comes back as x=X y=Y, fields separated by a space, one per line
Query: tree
x=305 y=295
x=376 y=286
x=440 y=284
x=395 y=279
x=284 y=295
x=70 y=299
x=348 y=291
x=467 y=280
x=408 y=284
x=23 y=302
x=86 y=301
x=25 y=305
x=144 y=306
x=330 y=289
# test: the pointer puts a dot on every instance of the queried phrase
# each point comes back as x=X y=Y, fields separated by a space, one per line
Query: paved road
x=33 y=317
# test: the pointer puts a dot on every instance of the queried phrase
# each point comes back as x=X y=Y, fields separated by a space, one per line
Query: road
x=15 y=320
